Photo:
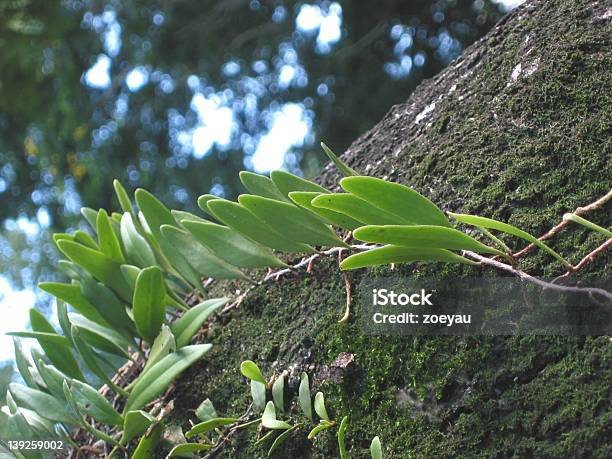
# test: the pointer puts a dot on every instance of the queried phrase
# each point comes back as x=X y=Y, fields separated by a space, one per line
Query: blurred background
x=178 y=96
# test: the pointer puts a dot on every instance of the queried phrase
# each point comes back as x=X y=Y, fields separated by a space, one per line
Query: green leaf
x=281 y=438
x=300 y=225
x=163 y=345
x=72 y=294
x=103 y=268
x=509 y=229
x=588 y=224
x=42 y=403
x=203 y=203
x=70 y=269
x=341 y=434
x=319 y=428
x=22 y=363
x=135 y=423
x=319 y=406
x=90 y=215
x=103 y=338
x=91 y=359
x=376 y=448
x=189 y=323
x=396 y=199
x=261 y=185
x=258 y=394
x=156 y=215
x=124 y=200
x=182 y=215
x=160 y=375
x=304 y=396
x=93 y=404
x=203 y=260
x=250 y=370
x=137 y=248
x=59 y=355
x=304 y=199
x=49 y=338
x=64 y=321
x=278 y=393
x=188 y=449
x=108 y=305
x=206 y=411
x=269 y=420
x=84 y=238
x=346 y=171
x=422 y=237
x=395 y=254
x=209 y=425
x=229 y=245
x=148 y=444
x=286 y=183
x=109 y=244
x=356 y=208
x=240 y=219
x=148 y=304
x=53 y=378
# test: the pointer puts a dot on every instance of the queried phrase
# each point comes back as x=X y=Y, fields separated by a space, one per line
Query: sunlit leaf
x=21 y=361
x=298 y=224
x=278 y=393
x=64 y=321
x=103 y=338
x=90 y=215
x=124 y=200
x=319 y=406
x=156 y=215
x=395 y=254
x=261 y=185
x=109 y=244
x=376 y=449
x=69 y=268
x=203 y=260
x=189 y=323
x=229 y=245
x=341 y=440
x=203 y=203
x=206 y=411
x=250 y=370
x=258 y=394
x=422 y=237
x=182 y=215
x=160 y=375
x=286 y=183
x=346 y=170
x=239 y=218
x=587 y=224
x=54 y=379
x=137 y=248
x=356 y=208
x=269 y=420
x=135 y=423
x=103 y=268
x=84 y=238
x=209 y=425
x=396 y=199
x=323 y=425
x=59 y=355
x=40 y=402
x=304 y=396
x=92 y=403
x=148 y=303
x=509 y=229
x=304 y=199
x=71 y=294
x=188 y=449
x=163 y=345
x=49 y=338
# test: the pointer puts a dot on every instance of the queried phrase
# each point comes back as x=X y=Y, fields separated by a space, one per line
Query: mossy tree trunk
x=516 y=129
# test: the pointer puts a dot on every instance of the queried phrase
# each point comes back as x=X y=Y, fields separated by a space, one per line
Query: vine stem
x=592 y=291
x=555 y=229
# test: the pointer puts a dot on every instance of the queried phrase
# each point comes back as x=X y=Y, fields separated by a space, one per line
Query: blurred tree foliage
x=165 y=69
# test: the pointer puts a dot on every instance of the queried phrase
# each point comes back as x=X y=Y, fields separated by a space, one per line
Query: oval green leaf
x=346 y=170
x=109 y=244
x=188 y=449
x=137 y=248
x=356 y=208
x=209 y=425
x=250 y=370
x=92 y=403
x=42 y=403
x=304 y=396
x=269 y=420
x=319 y=406
x=135 y=423
x=148 y=304
x=278 y=393
x=304 y=199
x=376 y=448
x=395 y=254
x=286 y=183
x=189 y=323
x=261 y=185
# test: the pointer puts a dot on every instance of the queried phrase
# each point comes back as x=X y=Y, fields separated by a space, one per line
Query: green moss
x=524 y=152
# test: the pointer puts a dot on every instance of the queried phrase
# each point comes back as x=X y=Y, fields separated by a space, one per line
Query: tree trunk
x=515 y=129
